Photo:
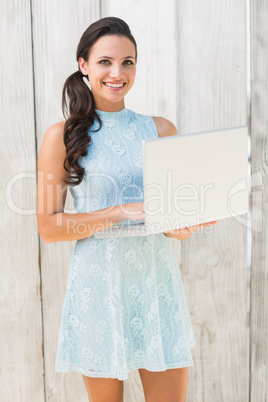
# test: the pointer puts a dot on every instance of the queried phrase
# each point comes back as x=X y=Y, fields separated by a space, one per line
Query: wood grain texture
x=212 y=95
x=57 y=28
x=259 y=166
x=21 y=362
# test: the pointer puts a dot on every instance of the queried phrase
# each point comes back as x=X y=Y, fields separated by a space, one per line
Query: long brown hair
x=78 y=105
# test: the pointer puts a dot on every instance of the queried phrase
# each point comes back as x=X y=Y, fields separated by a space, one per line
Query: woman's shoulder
x=55 y=131
x=164 y=126
x=54 y=136
x=56 y=127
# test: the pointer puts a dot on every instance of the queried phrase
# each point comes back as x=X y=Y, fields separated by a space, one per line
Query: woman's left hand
x=185 y=233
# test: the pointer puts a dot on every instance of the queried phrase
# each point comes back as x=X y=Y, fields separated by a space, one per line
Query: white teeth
x=113 y=85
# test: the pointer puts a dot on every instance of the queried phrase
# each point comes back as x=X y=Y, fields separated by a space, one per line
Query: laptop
x=190 y=179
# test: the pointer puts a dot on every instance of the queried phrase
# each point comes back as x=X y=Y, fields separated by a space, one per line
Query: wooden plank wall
x=213 y=95
x=21 y=360
x=57 y=27
x=192 y=64
x=259 y=160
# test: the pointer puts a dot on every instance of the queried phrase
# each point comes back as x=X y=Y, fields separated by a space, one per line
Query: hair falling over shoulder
x=78 y=105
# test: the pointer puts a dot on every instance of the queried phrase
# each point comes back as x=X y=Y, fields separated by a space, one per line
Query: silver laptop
x=191 y=179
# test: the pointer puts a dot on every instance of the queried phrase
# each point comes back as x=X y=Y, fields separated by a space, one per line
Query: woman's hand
x=133 y=211
x=185 y=233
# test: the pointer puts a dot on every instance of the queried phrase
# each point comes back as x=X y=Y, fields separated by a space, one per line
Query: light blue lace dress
x=125 y=305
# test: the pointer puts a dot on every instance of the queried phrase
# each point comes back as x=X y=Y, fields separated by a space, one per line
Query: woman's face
x=111 y=61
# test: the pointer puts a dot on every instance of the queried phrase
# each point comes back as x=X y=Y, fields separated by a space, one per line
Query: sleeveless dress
x=125 y=305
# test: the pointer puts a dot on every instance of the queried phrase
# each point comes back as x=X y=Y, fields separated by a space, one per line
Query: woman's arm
x=55 y=225
x=185 y=233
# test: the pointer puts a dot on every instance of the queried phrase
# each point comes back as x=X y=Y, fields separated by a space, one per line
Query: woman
x=124 y=306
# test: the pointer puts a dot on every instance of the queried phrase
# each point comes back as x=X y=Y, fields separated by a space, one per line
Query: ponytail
x=78 y=103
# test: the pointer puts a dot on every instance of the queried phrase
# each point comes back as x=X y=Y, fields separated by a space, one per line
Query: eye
x=129 y=62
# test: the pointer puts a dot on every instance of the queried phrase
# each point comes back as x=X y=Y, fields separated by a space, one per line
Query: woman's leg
x=168 y=386
x=103 y=389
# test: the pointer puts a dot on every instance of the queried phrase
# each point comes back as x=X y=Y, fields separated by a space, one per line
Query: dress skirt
x=124 y=308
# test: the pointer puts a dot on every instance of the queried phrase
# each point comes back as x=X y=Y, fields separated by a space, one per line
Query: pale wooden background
x=202 y=64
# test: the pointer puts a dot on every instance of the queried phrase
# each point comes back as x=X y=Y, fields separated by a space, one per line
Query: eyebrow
x=107 y=57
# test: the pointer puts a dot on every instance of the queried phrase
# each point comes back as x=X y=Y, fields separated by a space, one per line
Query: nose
x=116 y=71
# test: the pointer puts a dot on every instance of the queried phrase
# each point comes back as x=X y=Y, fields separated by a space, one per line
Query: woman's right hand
x=185 y=233
x=133 y=211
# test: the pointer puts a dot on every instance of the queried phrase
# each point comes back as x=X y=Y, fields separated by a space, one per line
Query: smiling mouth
x=110 y=85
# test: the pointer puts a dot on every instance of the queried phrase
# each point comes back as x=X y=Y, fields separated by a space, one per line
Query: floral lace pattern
x=125 y=306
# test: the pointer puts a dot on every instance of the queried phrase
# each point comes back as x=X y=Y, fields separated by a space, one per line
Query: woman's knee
x=103 y=389
x=169 y=385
